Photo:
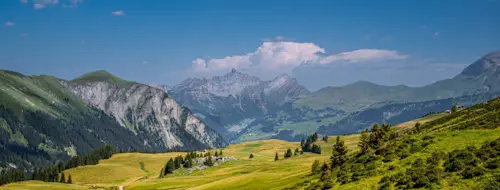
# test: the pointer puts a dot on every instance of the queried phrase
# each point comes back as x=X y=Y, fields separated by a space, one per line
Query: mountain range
x=246 y=108
x=44 y=119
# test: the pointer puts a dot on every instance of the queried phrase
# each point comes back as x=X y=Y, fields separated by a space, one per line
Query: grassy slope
x=261 y=172
x=40 y=93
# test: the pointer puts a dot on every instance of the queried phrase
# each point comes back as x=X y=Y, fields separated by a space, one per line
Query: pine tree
x=220 y=153
x=302 y=143
x=343 y=175
x=364 y=142
x=326 y=178
x=387 y=130
x=251 y=156
x=454 y=108
x=209 y=161
x=325 y=138
x=188 y=163
x=375 y=137
x=177 y=163
x=314 y=137
x=339 y=155
x=162 y=172
x=63 y=179
x=216 y=154
x=288 y=153
x=276 y=158
x=417 y=127
x=315 y=169
x=70 y=181
x=296 y=152
x=170 y=167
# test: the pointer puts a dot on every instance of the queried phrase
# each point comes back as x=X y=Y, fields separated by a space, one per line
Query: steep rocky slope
x=147 y=111
x=44 y=119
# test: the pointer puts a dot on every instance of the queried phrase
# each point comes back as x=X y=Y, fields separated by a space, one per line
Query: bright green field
x=141 y=171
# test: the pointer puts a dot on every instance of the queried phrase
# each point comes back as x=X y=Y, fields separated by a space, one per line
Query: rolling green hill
x=482 y=76
x=398 y=162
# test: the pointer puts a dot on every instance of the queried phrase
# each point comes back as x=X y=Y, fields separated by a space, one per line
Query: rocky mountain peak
x=484 y=64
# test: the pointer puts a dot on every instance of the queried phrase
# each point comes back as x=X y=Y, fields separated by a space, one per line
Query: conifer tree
x=339 y=155
x=296 y=152
x=162 y=172
x=70 y=181
x=216 y=154
x=276 y=158
x=375 y=137
x=63 y=179
x=364 y=142
x=417 y=127
x=209 y=161
x=170 y=167
x=288 y=153
x=251 y=156
x=220 y=153
x=315 y=169
x=177 y=163
x=326 y=178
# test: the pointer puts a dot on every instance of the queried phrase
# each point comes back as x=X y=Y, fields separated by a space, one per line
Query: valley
x=447 y=132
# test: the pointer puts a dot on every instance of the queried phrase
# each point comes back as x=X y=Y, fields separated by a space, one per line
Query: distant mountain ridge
x=241 y=106
x=226 y=100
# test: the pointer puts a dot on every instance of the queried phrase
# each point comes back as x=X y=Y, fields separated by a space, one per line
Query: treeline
x=187 y=162
x=467 y=163
x=55 y=173
x=308 y=145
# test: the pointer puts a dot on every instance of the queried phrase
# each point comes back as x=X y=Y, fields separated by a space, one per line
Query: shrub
x=471 y=172
x=493 y=163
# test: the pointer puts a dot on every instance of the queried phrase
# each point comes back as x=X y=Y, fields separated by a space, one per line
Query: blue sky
x=337 y=42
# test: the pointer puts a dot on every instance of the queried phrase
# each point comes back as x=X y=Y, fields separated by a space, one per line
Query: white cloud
x=363 y=55
x=24 y=1
x=283 y=56
x=37 y=6
x=118 y=13
x=9 y=24
x=23 y=35
x=270 y=56
x=435 y=35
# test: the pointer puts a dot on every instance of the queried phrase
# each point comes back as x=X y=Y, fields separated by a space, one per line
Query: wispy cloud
x=435 y=35
x=118 y=13
x=364 y=55
x=9 y=24
x=72 y=3
x=41 y=4
x=23 y=35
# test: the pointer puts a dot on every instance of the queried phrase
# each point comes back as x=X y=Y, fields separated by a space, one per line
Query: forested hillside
x=460 y=150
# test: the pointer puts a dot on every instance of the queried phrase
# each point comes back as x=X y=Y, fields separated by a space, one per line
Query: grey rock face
x=227 y=100
x=161 y=122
